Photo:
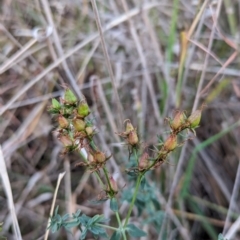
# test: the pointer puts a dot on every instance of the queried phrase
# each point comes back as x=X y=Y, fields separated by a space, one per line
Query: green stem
x=120 y=225
x=95 y=173
x=107 y=177
x=93 y=145
x=135 y=154
x=106 y=226
x=133 y=199
x=99 y=179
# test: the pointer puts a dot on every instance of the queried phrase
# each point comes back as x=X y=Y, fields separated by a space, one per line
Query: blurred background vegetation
x=165 y=55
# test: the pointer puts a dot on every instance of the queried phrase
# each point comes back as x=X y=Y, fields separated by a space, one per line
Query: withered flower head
x=171 y=143
x=178 y=120
x=133 y=138
x=143 y=162
x=63 y=122
x=129 y=127
x=65 y=140
x=79 y=124
x=113 y=184
x=89 y=130
x=91 y=158
x=99 y=157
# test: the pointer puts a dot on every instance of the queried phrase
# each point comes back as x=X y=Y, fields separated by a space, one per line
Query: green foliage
x=155 y=218
x=221 y=237
x=145 y=198
x=75 y=129
x=135 y=231
x=83 y=222
x=116 y=235
x=114 y=204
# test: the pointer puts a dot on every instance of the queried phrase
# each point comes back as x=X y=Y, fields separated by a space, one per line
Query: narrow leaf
x=56 y=104
x=114 y=204
x=116 y=236
x=135 y=231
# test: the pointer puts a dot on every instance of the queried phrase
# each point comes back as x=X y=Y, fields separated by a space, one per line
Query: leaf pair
x=131 y=229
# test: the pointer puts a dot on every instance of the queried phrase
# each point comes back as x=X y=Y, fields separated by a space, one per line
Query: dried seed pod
x=79 y=124
x=113 y=184
x=178 y=121
x=99 y=156
x=133 y=138
x=91 y=158
x=83 y=109
x=195 y=118
x=171 y=143
x=89 y=130
x=66 y=140
x=143 y=162
x=63 y=122
x=129 y=127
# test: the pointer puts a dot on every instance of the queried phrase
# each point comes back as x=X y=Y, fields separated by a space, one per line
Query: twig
x=8 y=191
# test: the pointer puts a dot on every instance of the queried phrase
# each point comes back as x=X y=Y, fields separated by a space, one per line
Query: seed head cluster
x=76 y=131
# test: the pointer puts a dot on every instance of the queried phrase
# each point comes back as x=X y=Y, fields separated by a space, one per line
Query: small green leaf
x=69 y=97
x=103 y=234
x=56 y=210
x=65 y=217
x=77 y=213
x=114 y=204
x=56 y=104
x=143 y=183
x=220 y=237
x=95 y=219
x=95 y=230
x=132 y=172
x=116 y=236
x=135 y=231
x=72 y=224
x=54 y=227
x=98 y=202
x=83 y=234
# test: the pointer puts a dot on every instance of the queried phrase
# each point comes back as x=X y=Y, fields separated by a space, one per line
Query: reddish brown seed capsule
x=99 y=157
x=63 y=122
x=178 y=120
x=171 y=143
x=66 y=140
x=133 y=138
x=79 y=124
x=91 y=158
x=113 y=184
x=143 y=162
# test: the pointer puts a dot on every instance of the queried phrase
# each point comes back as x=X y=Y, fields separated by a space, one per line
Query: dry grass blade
x=87 y=40
x=233 y=204
x=8 y=191
x=58 y=45
x=60 y=177
x=118 y=103
x=229 y=60
x=14 y=58
x=155 y=56
x=198 y=94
